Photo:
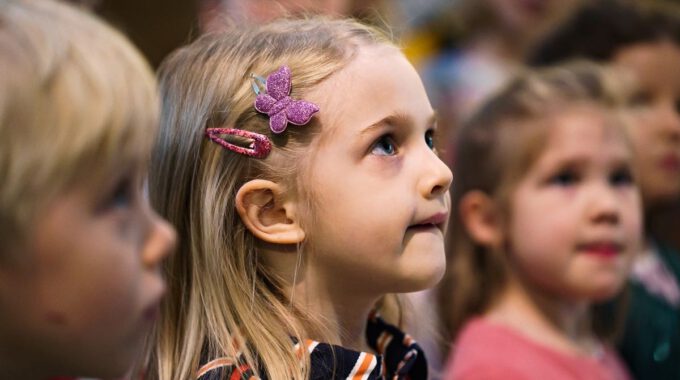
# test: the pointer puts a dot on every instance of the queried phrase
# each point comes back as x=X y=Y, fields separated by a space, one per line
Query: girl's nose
x=160 y=242
x=436 y=178
x=605 y=205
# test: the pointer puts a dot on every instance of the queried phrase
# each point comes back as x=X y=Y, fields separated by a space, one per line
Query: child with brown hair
x=643 y=38
x=546 y=218
x=79 y=244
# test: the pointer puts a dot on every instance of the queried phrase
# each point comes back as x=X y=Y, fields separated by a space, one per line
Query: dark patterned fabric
x=399 y=358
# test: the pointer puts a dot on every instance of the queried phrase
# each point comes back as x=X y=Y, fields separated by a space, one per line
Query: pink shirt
x=485 y=350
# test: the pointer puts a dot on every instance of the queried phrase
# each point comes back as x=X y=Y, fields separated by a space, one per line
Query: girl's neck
x=556 y=323
x=343 y=316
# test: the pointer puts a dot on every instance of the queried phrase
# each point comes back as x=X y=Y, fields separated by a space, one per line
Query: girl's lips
x=437 y=218
x=604 y=250
x=435 y=221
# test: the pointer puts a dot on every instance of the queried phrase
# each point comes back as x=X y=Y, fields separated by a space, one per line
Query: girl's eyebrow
x=579 y=161
x=397 y=119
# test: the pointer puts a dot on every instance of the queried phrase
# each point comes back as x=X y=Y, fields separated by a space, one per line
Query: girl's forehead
x=653 y=64
x=365 y=66
x=378 y=82
x=587 y=127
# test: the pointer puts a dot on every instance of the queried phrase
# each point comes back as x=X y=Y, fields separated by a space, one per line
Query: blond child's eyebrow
x=398 y=119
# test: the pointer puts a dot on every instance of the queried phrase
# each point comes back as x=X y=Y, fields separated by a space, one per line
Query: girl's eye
x=384 y=146
x=429 y=139
x=564 y=178
x=622 y=177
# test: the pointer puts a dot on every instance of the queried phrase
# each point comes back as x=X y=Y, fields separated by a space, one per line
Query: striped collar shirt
x=398 y=358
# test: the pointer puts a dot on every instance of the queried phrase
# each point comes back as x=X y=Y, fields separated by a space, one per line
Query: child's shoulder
x=481 y=340
x=488 y=358
x=488 y=350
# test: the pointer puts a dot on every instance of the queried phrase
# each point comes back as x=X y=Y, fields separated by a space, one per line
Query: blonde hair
x=77 y=101
x=494 y=150
x=219 y=288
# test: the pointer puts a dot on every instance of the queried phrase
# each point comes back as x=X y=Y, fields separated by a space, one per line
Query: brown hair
x=494 y=150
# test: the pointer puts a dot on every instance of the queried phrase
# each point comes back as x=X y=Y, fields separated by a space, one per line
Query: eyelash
x=388 y=141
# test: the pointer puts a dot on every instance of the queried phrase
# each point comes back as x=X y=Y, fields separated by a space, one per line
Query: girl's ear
x=482 y=219
x=268 y=213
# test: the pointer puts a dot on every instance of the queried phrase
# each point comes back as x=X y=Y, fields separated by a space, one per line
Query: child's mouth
x=435 y=221
x=604 y=250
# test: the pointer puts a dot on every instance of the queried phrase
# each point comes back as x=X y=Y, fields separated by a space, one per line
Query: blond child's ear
x=268 y=213
x=481 y=217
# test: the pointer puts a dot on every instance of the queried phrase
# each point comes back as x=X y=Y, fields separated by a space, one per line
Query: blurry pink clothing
x=485 y=350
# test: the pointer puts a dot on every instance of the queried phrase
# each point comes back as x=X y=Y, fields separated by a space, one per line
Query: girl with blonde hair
x=546 y=218
x=297 y=162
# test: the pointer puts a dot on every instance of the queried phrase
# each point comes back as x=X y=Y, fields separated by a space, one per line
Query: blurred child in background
x=79 y=244
x=645 y=40
x=546 y=219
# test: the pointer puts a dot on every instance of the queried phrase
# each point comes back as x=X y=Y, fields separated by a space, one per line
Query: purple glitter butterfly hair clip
x=278 y=105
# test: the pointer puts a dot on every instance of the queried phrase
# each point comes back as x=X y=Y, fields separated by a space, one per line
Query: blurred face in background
x=575 y=215
x=655 y=126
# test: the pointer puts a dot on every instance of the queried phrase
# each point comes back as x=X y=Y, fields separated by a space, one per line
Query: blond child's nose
x=437 y=179
x=160 y=243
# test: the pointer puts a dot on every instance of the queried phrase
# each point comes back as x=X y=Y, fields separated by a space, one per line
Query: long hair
x=222 y=298
x=494 y=150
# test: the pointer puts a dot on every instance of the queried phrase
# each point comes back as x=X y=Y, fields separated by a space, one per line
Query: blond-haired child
x=300 y=203
x=79 y=244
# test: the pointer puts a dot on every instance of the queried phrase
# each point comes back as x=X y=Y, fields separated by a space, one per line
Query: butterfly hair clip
x=278 y=105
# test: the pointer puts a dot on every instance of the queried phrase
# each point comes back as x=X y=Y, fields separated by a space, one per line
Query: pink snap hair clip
x=259 y=147
x=278 y=105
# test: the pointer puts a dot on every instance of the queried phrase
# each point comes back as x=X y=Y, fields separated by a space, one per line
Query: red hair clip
x=259 y=147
